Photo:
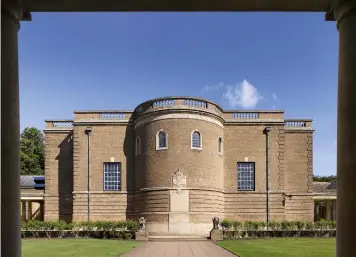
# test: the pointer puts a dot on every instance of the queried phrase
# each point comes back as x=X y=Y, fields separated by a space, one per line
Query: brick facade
x=146 y=178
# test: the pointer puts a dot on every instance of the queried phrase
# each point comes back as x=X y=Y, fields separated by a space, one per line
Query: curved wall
x=202 y=168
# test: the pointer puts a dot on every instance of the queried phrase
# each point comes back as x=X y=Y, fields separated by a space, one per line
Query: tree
x=324 y=178
x=31 y=152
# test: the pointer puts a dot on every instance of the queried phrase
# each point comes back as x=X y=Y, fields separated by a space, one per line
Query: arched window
x=196 y=140
x=138 y=146
x=161 y=140
x=219 y=145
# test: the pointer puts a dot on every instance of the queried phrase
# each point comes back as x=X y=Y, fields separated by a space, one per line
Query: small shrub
x=237 y=225
x=227 y=224
x=309 y=225
x=274 y=225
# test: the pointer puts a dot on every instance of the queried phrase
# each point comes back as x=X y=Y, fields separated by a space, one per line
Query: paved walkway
x=179 y=249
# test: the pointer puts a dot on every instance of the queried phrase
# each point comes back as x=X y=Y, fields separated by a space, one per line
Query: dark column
x=345 y=15
x=10 y=136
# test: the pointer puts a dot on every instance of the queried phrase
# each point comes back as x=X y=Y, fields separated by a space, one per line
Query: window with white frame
x=138 y=145
x=196 y=140
x=245 y=176
x=112 y=176
x=161 y=140
x=219 y=145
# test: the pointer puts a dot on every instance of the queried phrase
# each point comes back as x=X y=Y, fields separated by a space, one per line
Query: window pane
x=219 y=145
x=162 y=139
x=246 y=176
x=112 y=176
x=196 y=139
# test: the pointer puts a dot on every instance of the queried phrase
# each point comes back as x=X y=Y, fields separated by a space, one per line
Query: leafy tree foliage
x=31 y=152
x=324 y=178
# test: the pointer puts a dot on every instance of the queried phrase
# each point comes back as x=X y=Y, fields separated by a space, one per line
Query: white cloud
x=274 y=96
x=212 y=88
x=244 y=95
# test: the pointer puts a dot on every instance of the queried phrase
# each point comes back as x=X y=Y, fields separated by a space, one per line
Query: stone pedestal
x=141 y=236
x=216 y=235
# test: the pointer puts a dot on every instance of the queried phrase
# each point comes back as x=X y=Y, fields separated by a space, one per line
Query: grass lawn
x=282 y=247
x=75 y=247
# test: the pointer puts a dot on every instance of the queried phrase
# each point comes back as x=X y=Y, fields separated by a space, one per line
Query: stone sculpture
x=142 y=223
x=216 y=222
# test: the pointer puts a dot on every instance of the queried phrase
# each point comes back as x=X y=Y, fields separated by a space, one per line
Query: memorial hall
x=179 y=162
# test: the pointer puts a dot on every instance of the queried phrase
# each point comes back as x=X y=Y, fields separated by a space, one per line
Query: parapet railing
x=237 y=115
x=179 y=102
x=102 y=115
x=298 y=124
x=59 y=124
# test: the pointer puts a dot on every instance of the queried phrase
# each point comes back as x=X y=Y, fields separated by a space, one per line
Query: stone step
x=177 y=238
x=194 y=234
x=174 y=236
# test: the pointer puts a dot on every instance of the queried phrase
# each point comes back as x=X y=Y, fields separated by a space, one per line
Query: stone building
x=179 y=162
x=32 y=197
x=324 y=200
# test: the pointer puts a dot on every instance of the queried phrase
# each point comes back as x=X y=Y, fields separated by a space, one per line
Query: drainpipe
x=267 y=130
x=88 y=132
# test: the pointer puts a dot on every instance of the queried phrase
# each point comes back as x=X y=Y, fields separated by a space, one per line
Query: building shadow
x=129 y=151
x=65 y=179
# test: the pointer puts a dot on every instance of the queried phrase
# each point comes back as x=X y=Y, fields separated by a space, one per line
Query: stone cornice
x=299 y=130
x=100 y=192
x=57 y=130
x=178 y=115
x=254 y=121
x=278 y=192
x=100 y=122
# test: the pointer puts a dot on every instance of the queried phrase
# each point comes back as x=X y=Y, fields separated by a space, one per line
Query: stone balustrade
x=102 y=115
x=237 y=116
x=298 y=124
x=59 y=124
x=112 y=115
x=196 y=103
x=245 y=115
x=179 y=103
x=163 y=103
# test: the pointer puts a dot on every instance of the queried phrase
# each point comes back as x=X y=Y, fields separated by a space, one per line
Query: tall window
x=219 y=145
x=245 y=176
x=161 y=140
x=112 y=176
x=138 y=146
x=196 y=140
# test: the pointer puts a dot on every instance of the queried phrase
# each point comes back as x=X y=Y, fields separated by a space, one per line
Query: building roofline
x=58 y=120
x=102 y=111
x=308 y=120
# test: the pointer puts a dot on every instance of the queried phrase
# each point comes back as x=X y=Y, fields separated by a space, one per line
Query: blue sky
x=114 y=61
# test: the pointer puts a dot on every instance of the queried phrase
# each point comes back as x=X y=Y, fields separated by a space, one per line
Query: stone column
x=29 y=210
x=23 y=210
x=10 y=136
x=345 y=15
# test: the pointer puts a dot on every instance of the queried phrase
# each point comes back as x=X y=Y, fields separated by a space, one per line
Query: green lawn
x=75 y=247
x=282 y=247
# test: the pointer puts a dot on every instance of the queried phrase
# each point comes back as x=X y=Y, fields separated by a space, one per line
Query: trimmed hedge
x=97 y=229
x=249 y=229
x=250 y=234
x=285 y=225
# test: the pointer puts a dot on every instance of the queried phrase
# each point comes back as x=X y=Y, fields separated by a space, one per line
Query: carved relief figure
x=179 y=180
